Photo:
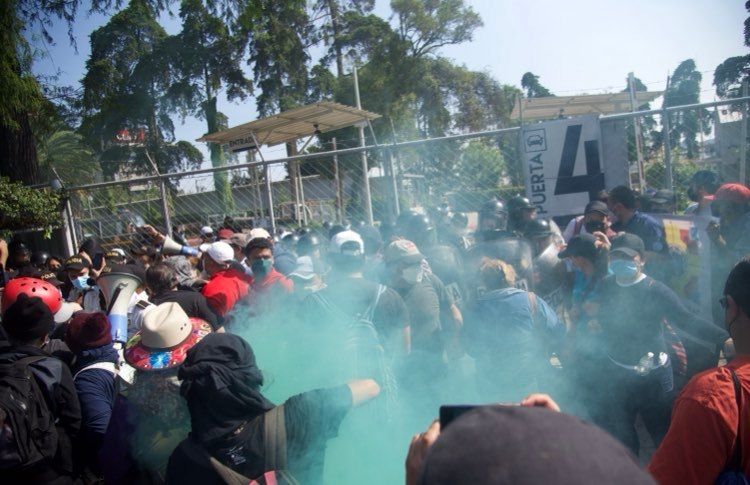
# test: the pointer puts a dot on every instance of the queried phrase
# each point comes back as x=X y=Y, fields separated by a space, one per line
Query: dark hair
x=257 y=243
x=602 y=196
x=160 y=277
x=623 y=195
x=738 y=284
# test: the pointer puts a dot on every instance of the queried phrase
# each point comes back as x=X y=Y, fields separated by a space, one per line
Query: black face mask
x=594 y=226
x=693 y=195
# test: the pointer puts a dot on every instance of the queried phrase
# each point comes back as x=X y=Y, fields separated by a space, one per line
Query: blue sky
x=575 y=46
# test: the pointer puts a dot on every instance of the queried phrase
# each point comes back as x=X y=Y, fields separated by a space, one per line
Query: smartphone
x=96 y=263
x=449 y=413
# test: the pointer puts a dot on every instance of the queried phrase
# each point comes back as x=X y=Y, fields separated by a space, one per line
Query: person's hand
x=602 y=241
x=420 y=445
x=540 y=401
x=3 y=252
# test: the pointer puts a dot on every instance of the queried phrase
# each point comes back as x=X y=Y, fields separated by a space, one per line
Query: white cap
x=120 y=252
x=259 y=232
x=220 y=252
x=66 y=311
x=206 y=230
x=204 y=247
x=347 y=242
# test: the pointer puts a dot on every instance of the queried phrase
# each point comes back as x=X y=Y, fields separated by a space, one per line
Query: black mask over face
x=693 y=194
x=594 y=226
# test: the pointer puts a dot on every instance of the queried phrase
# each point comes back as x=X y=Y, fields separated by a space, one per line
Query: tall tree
x=207 y=61
x=336 y=14
x=532 y=87
x=125 y=85
x=684 y=88
x=730 y=74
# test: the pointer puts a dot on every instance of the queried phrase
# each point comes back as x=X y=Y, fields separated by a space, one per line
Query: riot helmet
x=493 y=220
x=421 y=231
x=520 y=210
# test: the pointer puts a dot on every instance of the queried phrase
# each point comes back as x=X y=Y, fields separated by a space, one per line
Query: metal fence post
x=365 y=179
x=667 y=150
x=743 y=137
x=165 y=205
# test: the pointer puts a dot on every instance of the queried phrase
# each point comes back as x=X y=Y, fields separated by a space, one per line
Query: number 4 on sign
x=567 y=183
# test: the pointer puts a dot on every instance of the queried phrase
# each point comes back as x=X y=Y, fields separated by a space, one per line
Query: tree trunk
x=18 y=159
x=333 y=9
x=221 y=179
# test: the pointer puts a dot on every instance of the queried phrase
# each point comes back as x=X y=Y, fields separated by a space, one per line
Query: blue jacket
x=511 y=342
x=96 y=390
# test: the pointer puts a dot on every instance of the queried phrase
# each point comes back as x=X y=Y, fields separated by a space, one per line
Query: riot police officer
x=550 y=275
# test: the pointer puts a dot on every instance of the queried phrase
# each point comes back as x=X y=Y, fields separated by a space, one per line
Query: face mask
x=412 y=274
x=693 y=194
x=81 y=283
x=261 y=267
x=624 y=269
x=594 y=226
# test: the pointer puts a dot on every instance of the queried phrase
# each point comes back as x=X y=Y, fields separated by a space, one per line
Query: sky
x=574 y=46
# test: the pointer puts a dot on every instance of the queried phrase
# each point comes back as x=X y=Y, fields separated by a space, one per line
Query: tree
x=534 y=89
x=647 y=124
x=730 y=74
x=337 y=14
x=127 y=77
x=684 y=88
x=207 y=61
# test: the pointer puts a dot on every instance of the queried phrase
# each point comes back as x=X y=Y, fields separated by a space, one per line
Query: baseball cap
x=596 y=206
x=238 y=239
x=206 y=230
x=402 y=250
x=628 y=244
x=220 y=252
x=77 y=263
x=735 y=193
x=49 y=277
x=259 y=232
x=580 y=245
x=225 y=234
x=347 y=243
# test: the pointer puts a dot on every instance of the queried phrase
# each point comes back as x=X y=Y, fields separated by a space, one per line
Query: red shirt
x=224 y=290
x=274 y=283
x=701 y=437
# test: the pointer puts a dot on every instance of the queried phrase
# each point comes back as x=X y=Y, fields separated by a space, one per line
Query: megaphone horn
x=171 y=247
x=117 y=289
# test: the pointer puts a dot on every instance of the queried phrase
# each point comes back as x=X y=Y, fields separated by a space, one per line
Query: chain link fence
x=461 y=171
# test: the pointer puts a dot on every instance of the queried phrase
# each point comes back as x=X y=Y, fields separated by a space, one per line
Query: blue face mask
x=261 y=267
x=623 y=268
x=81 y=283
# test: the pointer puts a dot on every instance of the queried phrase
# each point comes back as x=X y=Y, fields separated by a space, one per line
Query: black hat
x=663 y=196
x=537 y=228
x=77 y=263
x=512 y=444
x=628 y=244
x=596 y=206
x=28 y=318
x=580 y=245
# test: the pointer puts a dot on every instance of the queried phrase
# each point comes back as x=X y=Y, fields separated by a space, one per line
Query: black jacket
x=56 y=384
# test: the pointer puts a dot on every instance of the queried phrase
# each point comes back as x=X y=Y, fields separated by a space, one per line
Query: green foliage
x=534 y=89
x=682 y=172
x=730 y=74
x=25 y=208
x=684 y=88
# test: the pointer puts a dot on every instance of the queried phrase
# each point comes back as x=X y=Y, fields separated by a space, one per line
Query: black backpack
x=27 y=427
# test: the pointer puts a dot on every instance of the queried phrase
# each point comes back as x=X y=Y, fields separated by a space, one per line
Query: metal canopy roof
x=291 y=125
x=553 y=106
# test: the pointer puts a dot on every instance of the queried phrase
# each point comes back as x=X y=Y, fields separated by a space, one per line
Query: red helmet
x=48 y=292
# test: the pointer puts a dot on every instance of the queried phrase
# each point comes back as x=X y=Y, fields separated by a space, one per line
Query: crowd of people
x=397 y=319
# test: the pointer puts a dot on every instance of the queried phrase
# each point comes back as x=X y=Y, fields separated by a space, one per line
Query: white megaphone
x=171 y=247
x=117 y=288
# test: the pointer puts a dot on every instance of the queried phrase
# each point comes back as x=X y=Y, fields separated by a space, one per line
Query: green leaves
x=534 y=89
x=26 y=208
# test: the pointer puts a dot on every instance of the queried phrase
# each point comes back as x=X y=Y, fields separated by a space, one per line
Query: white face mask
x=413 y=274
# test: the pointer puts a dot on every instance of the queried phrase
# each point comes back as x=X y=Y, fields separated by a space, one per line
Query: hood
x=105 y=353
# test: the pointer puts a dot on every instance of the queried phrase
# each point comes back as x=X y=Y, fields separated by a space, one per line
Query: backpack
x=27 y=427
